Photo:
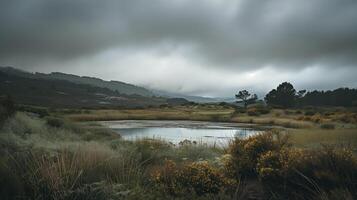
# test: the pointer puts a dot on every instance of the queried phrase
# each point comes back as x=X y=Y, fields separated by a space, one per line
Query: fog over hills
x=107 y=87
x=63 y=90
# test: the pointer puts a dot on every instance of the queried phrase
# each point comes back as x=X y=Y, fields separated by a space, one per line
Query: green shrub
x=298 y=112
x=54 y=122
x=7 y=109
x=253 y=112
x=328 y=113
x=152 y=151
x=238 y=110
x=348 y=118
x=23 y=124
x=42 y=112
x=215 y=118
x=97 y=134
x=261 y=109
x=11 y=186
x=288 y=112
x=264 y=110
x=258 y=109
x=310 y=113
x=225 y=105
x=327 y=126
x=195 y=152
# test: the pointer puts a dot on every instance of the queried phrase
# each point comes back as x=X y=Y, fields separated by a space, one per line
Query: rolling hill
x=116 y=86
x=31 y=89
x=110 y=88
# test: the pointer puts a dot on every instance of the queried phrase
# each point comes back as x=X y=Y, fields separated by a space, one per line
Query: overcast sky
x=196 y=47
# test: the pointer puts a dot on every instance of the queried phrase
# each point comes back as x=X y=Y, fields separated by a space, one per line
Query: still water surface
x=177 y=131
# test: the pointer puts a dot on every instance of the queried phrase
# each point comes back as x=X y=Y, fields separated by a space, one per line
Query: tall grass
x=61 y=162
x=309 y=138
x=74 y=170
x=179 y=113
x=287 y=123
x=44 y=159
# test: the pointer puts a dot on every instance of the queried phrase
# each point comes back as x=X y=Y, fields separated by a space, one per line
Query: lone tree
x=245 y=97
x=284 y=95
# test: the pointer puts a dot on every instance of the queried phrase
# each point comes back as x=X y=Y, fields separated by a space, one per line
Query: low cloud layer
x=202 y=47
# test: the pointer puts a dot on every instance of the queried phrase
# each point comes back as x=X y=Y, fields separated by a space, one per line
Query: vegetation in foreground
x=53 y=158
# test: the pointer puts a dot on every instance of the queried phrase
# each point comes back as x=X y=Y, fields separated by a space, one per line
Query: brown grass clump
x=347 y=118
x=201 y=113
x=287 y=123
x=71 y=173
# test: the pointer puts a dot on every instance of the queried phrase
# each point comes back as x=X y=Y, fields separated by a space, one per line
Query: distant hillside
x=115 y=86
x=118 y=86
x=121 y=87
x=193 y=98
x=26 y=89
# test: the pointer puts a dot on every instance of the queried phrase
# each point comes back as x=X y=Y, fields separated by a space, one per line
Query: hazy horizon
x=201 y=48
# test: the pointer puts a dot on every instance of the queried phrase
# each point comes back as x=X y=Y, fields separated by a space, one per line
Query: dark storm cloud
x=254 y=33
x=240 y=36
x=70 y=28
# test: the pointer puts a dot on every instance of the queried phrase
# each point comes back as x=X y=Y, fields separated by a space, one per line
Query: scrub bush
x=7 y=109
x=198 y=177
x=327 y=126
x=54 y=122
x=312 y=172
x=246 y=152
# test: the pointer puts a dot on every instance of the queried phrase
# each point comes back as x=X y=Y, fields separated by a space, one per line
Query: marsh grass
x=260 y=115
x=177 y=113
x=283 y=122
x=87 y=161
x=316 y=137
x=62 y=175
x=327 y=126
x=72 y=160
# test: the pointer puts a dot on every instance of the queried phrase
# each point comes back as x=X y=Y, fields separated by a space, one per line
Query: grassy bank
x=313 y=125
x=298 y=118
x=199 y=113
x=56 y=158
x=315 y=137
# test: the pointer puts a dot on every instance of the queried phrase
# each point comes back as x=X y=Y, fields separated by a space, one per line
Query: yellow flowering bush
x=294 y=170
x=246 y=152
x=269 y=164
x=198 y=177
x=275 y=166
x=164 y=177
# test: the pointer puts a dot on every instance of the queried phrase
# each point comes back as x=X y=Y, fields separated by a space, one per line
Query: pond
x=211 y=133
